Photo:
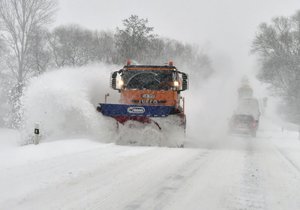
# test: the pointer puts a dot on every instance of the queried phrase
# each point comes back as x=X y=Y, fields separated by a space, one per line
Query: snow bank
x=63 y=102
x=8 y=139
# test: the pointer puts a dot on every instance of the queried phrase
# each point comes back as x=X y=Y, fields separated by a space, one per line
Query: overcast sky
x=225 y=28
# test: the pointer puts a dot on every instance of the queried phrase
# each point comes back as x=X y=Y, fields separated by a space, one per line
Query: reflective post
x=36 y=134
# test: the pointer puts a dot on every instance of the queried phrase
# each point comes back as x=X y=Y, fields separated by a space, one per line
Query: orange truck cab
x=147 y=92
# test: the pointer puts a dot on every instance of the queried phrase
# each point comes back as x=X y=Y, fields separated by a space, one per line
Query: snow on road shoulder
x=8 y=139
x=284 y=137
x=32 y=168
x=19 y=155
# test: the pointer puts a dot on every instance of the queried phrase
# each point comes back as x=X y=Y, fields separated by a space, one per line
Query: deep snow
x=77 y=165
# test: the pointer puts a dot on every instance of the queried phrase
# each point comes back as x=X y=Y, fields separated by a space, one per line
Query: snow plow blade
x=124 y=110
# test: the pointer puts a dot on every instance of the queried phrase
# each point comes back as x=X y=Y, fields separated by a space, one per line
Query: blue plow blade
x=114 y=110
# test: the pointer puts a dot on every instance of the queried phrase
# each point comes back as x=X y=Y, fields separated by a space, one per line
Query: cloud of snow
x=210 y=105
x=63 y=102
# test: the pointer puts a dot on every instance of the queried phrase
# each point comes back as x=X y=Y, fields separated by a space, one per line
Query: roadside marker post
x=36 y=134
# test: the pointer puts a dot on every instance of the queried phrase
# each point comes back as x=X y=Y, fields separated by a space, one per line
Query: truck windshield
x=150 y=80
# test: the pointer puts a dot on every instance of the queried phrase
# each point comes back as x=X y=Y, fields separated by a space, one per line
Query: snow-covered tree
x=39 y=55
x=105 y=48
x=2 y=52
x=138 y=42
x=73 y=45
x=19 y=20
x=134 y=40
x=278 y=45
x=185 y=56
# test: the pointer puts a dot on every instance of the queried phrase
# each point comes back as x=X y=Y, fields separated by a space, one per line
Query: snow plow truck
x=149 y=95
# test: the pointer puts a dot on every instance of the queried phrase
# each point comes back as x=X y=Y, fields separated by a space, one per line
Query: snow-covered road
x=231 y=173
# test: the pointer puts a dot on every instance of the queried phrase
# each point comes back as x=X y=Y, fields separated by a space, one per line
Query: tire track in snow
x=108 y=187
x=248 y=193
x=158 y=198
x=58 y=173
x=292 y=179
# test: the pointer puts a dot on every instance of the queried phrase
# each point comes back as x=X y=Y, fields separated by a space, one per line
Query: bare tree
x=2 y=51
x=105 y=48
x=72 y=45
x=278 y=47
x=39 y=54
x=20 y=19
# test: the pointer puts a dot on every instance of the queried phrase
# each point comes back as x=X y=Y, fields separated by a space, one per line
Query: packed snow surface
x=77 y=164
x=234 y=172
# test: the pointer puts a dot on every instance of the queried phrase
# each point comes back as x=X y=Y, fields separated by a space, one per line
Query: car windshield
x=151 y=80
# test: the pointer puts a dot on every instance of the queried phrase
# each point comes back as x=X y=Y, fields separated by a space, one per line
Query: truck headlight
x=120 y=83
x=176 y=83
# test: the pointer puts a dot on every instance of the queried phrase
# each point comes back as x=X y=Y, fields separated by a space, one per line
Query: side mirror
x=185 y=83
x=113 y=80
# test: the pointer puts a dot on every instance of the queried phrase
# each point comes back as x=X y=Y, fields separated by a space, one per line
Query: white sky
x=223 y=27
